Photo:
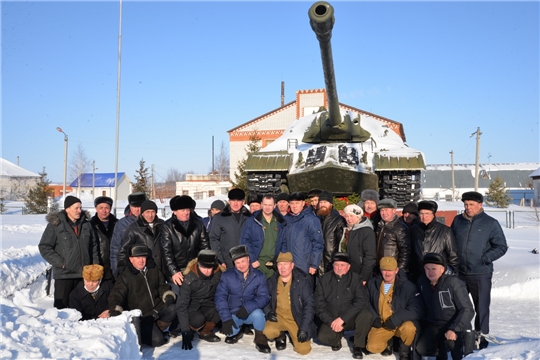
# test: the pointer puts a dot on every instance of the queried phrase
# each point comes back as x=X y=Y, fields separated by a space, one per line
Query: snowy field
x=31 y=328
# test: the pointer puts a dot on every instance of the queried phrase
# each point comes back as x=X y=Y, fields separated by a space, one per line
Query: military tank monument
x=340 y=151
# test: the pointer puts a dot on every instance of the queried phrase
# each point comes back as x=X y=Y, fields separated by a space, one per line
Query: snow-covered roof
x=536 y=173
x=9 y=169
x=100 y=180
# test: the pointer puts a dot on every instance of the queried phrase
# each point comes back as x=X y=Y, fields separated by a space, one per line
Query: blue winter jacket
x=253 y=234
x=480 y=241
x=304 y=239
x=233 y=292
x=116 y=241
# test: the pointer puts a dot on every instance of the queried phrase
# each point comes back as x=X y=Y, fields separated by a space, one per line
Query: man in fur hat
x=90 y=296
x=368 y=202
x=313 y=196
x=254 y=201
x=68 y=244
x=104 y=222
x=142 y=286
x=195 y=308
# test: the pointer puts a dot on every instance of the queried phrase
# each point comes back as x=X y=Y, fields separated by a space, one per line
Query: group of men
x=285 y=267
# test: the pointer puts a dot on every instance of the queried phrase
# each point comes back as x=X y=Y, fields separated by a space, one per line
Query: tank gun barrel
x=321 y=19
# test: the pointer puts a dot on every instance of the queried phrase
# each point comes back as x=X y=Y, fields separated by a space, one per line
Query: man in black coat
x=68 y=244
x=142 y=286
x=90 y=296
x=431 y=236
x=195 y=308
x=449 y=310
x=341 y=303
x=182 y=237
x=291 y=307
x=332 y=224
x=400 y=313
x=103 y=222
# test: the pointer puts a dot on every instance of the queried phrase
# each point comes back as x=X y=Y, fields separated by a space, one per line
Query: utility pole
x=94 y=179
x=153 y=189
x=453 y=183
x=117 y=110
x=478 y=133
x=213 y=155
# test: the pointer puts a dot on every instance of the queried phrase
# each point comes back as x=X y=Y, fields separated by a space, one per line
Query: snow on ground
x=31 y=328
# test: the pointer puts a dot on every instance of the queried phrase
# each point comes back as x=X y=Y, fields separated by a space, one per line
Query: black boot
x=246 y=330
x=281 y=341
x=261 y=342
x=389 y=348
x=404 y=351
x=207 y=333
x=234 y=339
x=357 y=352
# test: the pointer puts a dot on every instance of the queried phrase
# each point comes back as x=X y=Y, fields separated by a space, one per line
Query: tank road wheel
x=402 y=186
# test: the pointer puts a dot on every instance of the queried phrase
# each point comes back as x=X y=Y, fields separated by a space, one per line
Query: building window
x=198 y=195
x=185 y=192
x=211 y=193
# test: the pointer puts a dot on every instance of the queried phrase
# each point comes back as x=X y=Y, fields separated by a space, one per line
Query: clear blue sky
x=193 y=70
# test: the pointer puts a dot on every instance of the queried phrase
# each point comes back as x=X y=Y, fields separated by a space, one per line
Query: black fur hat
x=428 y=205
x=474 y=196
x=182 y=202
x=254 y=198
x=238 y=252
x=282 y=196
x=207 y=259
x=138 y=250
x=313 y=192
x=411 y=208
x=298 y=196
x=340 y=256
x=237 y=194
x=433 y=258
x=136 y=199
x=103 y=199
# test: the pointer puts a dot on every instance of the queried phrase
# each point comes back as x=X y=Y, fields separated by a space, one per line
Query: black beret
x=340 y=256
x=237 y=194
x=182 y=202
x=148 y=205
x=70 y=200
x=282 y=196
x=473 y=195
x=136 y=199
x=428 y=205
x=297 y=196
x=434 y=258
x=103 y=199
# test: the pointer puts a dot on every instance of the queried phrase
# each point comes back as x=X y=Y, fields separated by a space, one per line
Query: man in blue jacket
x=480 y=241
x=240 y=297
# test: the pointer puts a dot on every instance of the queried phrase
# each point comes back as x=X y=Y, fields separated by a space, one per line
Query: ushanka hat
x=92 y=272
x=103 y=200
x=340 y=256
x=136 y=199
x=70 y=200
x=428 y=205
x=138 y=250
x=369 y=194
x=297 y=196
x=237 y=194
x=207 y=259
x=326 y=196
x=182 y=202
x=254 y=198
x=433 y=258
x=282 y=196
x=238 y=252
x=472 y=195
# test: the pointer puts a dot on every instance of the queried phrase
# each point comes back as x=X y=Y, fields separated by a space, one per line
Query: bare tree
x=221 y=163
x=78 y=166
x=174 y=175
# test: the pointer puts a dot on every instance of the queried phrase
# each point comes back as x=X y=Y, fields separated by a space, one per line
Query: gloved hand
x=242 y=313
x=114 y=312
x=169 y=300
x=302 y=336
x=272 y=316
x=227 y=327
x=187 y=338
x=377 y=323
x=389 y=324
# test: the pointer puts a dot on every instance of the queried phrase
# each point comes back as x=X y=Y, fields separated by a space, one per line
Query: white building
x=102 y=184
x=536 y=186
x=15 y=181
x=202 y=186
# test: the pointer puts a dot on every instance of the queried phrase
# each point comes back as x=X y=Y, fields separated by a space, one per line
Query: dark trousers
x=62 y=289
x=150 y=333
x=198 y=318
x=361 y=326
x=479 y=286
x=432 y=341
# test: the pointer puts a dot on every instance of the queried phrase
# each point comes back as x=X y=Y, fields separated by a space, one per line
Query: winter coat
x=233 y=292
x=145 y=290
x=104 y=236
x=81 y=300
x=447 y=305
x=253 y=233
x=196 y=291
x=117 y=239
x=140 y=233
x=341 y=297
x=332 y=229
x=393 y=239
x=361 y=248
x=303 y=238
x=480 y=241
x=66 y=252
x=301 y=298
x=407 y=304
x=432 y=238
x=374 y=217
x=225 y=233
x=180 y=246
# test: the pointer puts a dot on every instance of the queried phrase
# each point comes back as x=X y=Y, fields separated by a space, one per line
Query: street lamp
x=59 y=129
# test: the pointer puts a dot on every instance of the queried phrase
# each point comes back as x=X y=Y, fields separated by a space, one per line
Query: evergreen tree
x=36 y=199
x=141 y=181
x=497 y=194
x=241 y=175
x=2 y=205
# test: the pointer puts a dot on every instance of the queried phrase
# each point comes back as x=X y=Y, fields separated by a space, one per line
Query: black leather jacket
x=332 y=229
x=393 y=239
x=141 y=233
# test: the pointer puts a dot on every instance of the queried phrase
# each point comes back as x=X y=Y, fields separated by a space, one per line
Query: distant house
x=102 y=184
x=15 y=181
x=437 y=180
x=535 y=176
x=202 y=186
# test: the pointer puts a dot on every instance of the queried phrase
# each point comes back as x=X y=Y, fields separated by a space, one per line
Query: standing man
x=291 y=307
x=103 y=222
x=282 y=202
x=313 y=196
x=68 y=244
x=396 y=307
x=260 y=235
x=216 y=207
x=303 y=235
x=448 y=311
x=409 y=215
x=227 y=227
x=183 y=236
x=368 y=202
x=240 y=297
x=341 y=303
x=332 y=224
x=135 y=201
x=254 y=202
x=431 y=236
x=393 y=236
x=480 y=241
x=142 y=286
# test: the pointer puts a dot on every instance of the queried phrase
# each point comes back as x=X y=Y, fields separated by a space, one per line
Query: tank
x=338 y=150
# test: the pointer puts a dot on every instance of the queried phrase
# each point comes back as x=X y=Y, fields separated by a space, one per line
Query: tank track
x=267 y=183
x=402 y=186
